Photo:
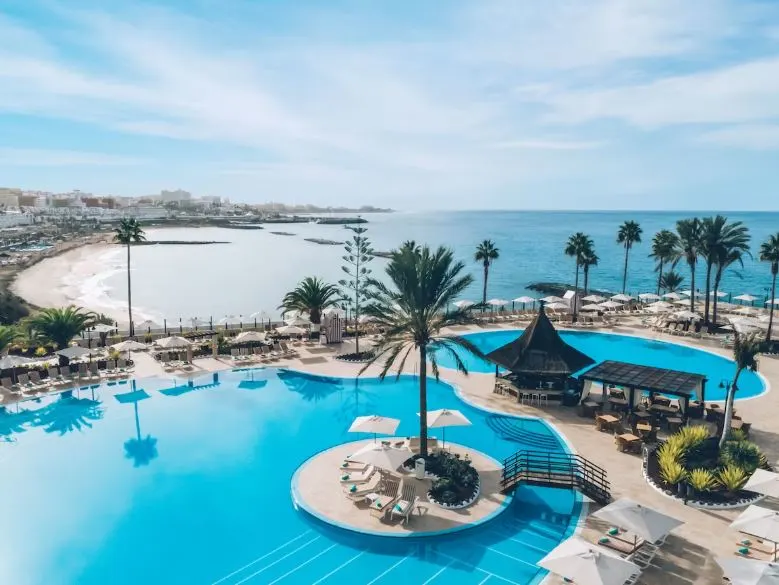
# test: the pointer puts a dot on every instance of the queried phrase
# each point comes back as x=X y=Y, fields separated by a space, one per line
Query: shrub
x=737 y=435
x=41 y=351
x=670 y=451
x=671 y=471
x=148 y=338
x=114 y=354
x=702 y=480
x=742 y=454
x=732 y=478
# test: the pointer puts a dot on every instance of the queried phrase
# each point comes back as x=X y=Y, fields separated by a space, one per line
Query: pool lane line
x=371 y=582
x=474 y=567
x=338 y=568
x=437 y=573
x=258 y=559
x=487 y=578
x=276 y=562
x=301 y=565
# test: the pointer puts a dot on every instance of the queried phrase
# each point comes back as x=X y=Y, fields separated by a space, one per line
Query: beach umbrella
x=129 y=345
x=195 y=322
x=173 y=342
x=247 y=336
x=103 y=328
x=772 y=302
x=689 y=293
x=689 y=315
x=745 y=324
x=718 y=293
x=290 y=330
x=498 y=302
x=147 y=324
x=524 y=300
x=591 y=307
x=747 y=298
x=764 y=482
x=740 y=571
x=649 y=297
x=74 y=352
x=586 y=564
x=644 y=522
x=558 y=306
x=594 y=299
x=623 y=298
x=610 y=305
x=13 y=361
x=552 y=299
x=298 y=321
x=382 y=456
x=464 y=304
x=440 y=419
x=373 y=423
x=659 y=306
x=759 y=522
x=673 y=296
x=366 y=319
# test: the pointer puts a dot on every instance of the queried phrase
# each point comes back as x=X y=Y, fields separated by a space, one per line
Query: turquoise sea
x=256 y=268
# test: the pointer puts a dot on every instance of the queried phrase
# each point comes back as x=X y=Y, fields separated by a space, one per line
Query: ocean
x=253 y=271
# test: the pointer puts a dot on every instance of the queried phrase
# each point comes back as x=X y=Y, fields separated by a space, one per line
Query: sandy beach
x=74 y=277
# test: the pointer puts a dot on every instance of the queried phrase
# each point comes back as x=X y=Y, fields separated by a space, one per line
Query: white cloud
x=749 y=136
x=28 y=157
x=549 y=144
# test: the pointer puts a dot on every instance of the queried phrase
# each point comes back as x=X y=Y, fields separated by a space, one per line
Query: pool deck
x=318 y=490
x=688 y=556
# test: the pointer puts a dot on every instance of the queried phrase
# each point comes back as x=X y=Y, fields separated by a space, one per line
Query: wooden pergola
x=632 y=377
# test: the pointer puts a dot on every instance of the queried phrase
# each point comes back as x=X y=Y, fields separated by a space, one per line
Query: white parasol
x=647 y=523
x=649 y=297
x=760 y=522
x=446 y=418
x=173 y=342
x=764 y=482
x=741 y=571
x=610 y=305
x=383 y=456
x=622 y=298
x=464 y=304
x=246 y=336
x=591 y=307
x=373 y=423
x=498 y=302
x=290 y=330
x=524 y=300
x=552 y=299
x=672 y=295
x=747 y=298
x=594 y=299
x=558 y=306
x=586 y=564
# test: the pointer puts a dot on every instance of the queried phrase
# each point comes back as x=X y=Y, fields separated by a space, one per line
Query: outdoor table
x=605 y=421
x=589 y=408
x=644 y=427
x=617 y=403
x=736 y=424
x=627 y=441
x=674 y=423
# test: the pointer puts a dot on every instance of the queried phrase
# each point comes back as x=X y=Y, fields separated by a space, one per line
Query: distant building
x=177 y=196
x=9 y=197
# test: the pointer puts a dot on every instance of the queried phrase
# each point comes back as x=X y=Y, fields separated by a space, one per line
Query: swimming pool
x=161 y=482
x=626 y=348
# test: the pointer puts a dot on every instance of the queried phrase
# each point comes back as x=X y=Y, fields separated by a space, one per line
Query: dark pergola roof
x=646 y=378
x=540 y=351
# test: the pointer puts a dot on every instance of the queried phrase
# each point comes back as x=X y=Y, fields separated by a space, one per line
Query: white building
x=176 y=196
x=9 y=197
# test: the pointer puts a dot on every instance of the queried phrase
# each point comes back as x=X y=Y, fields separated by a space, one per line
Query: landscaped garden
x=455 y=481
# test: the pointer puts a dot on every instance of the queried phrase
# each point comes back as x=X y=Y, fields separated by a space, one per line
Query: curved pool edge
x=299 y=504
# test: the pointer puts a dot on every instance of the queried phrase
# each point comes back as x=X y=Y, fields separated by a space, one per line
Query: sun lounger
x=288 y=351
x=352 y=467
x=10 y=386
x=35 y=379
x=357 y=478
x=405 y=506
x=358 y=492
x=381 y=503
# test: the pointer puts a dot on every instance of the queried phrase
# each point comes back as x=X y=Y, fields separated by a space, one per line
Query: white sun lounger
x=350 y=478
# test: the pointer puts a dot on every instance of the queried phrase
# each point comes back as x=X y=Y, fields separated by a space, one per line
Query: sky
x=483 y=104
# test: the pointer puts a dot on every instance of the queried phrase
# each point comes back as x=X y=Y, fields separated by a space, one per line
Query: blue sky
x=561 y=104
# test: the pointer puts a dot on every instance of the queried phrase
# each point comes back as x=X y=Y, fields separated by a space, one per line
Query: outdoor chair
x=405 y=506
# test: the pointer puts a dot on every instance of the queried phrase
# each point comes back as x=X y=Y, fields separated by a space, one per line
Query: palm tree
x=59 y=326
x=688 y=249
x=413 y=307
x=629 y=233
x=486 y=253
x=663 y=245
x=578 y=245
x=128 y=233
x=745 y=350
x=718 y=239
x=8 y=335
x=725 y=259
x=769 y=252
x=670 y=281
x=589 y=258
x=313 y=296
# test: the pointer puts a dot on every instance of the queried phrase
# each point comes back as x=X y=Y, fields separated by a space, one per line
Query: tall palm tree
x=8 y=334
x=670 y=281
x=589 y=258
x=313 y=296
x=664 y=243
x=718 y=239
x=59 y=326
x=486 y=253
x=129 y=232
x=413 y=306
x=745 y=350
x=725 y=259
x=577 y=246
x=769 y=252
x=629 y=233
x=688 y=249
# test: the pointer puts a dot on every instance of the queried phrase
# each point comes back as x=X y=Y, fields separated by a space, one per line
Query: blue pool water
x=156 y=482
x=625 y=348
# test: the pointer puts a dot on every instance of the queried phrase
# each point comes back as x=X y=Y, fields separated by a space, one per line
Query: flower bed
x=690 y=466
x=456 y=483
x=355 y=358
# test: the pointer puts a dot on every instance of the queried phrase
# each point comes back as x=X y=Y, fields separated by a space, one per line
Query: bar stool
x=536 y=397
x=543 y=399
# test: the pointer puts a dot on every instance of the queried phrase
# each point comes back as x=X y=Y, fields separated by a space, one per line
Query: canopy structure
x=635 y=378
x=247 y=336
x=129 y=345
x=524 y=300
x=74 y=352
x=594 y=299
x=540 y=352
